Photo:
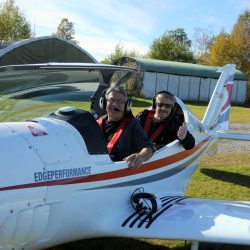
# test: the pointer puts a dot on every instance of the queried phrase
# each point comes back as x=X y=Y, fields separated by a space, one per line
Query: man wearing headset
x=123 y=134
x=161 y=124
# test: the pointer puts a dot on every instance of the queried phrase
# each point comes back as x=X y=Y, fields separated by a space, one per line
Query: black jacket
x=132 y=140
x=169 y=134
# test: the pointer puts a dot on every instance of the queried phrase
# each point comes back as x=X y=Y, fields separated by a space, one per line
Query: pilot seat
x=86 y=125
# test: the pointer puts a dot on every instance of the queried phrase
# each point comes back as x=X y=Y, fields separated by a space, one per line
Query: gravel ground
x=234 y=145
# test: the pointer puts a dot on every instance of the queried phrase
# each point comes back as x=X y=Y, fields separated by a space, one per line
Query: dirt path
x=233 y=145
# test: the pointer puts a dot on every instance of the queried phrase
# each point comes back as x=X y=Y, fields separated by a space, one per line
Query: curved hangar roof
x=43 y=50
x=179 y=68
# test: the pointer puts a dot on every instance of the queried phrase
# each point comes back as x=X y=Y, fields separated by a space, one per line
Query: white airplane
x=58 y=183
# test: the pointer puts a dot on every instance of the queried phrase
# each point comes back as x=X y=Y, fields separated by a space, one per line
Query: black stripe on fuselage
x=142 y=217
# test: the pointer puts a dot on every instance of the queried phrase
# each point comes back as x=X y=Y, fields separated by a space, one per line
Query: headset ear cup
x=128 y=105
x=102 y=100
x=135 y=199
x=102 y=103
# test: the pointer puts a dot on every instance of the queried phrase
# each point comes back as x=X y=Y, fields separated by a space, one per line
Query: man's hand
x=182 y=132
x=134 y=160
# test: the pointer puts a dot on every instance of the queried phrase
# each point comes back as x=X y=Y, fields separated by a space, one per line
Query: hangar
x=190 y=82
x=43 y=50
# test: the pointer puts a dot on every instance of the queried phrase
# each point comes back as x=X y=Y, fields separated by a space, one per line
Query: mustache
x=117 y=110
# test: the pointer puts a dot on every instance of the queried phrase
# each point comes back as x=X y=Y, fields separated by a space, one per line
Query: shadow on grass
x=135 y=244
x=235 y=178
x=200 y=104
x=113 y=244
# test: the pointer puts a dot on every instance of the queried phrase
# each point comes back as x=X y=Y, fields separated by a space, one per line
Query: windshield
x=27 y=94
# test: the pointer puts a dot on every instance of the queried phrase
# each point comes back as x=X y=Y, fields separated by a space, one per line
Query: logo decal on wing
x=36 y=132
x=142 y=218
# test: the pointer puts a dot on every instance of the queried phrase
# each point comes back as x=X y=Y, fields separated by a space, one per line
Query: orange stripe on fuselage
x=130 y=171
x=116 y=173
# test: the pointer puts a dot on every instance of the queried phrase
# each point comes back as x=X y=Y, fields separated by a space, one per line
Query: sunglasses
x=166 y=105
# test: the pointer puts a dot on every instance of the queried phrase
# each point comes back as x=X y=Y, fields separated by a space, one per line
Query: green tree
x=203 y=41
x=173 y=45
x=66 y=30
x=13 y=23
x=118 y=53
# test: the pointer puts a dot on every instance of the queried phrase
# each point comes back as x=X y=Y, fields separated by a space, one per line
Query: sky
x=102 y=24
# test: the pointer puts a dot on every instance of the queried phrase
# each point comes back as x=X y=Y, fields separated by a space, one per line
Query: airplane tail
x=217 y=113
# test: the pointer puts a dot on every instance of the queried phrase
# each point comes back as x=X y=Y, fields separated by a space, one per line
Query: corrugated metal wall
x=189 y=88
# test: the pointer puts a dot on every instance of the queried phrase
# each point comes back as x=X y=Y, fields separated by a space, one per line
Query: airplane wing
x=190 y=219
x=233 y=136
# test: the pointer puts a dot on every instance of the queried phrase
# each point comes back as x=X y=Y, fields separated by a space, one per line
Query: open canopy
x=28 y=91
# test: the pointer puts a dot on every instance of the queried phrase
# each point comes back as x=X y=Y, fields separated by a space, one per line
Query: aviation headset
x=145 y=202
x=163 y=92
x=104 y=96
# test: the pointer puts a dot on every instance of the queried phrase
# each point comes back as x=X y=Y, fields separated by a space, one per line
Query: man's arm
x=143 y=148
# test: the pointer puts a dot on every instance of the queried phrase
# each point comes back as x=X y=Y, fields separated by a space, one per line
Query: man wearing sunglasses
x=162 y=124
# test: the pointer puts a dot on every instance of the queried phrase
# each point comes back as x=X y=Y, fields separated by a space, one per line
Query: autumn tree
x=65 y=30
x=222 y=50
x=240 y=38
x=13 y=23
x=173 y=45
x=234 y=47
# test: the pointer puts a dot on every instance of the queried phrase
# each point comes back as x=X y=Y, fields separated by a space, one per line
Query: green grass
x=12 y=110
x=228 y=175
x=238 y=114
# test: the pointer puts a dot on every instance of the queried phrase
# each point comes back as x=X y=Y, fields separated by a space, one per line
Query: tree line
x=172 y=45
